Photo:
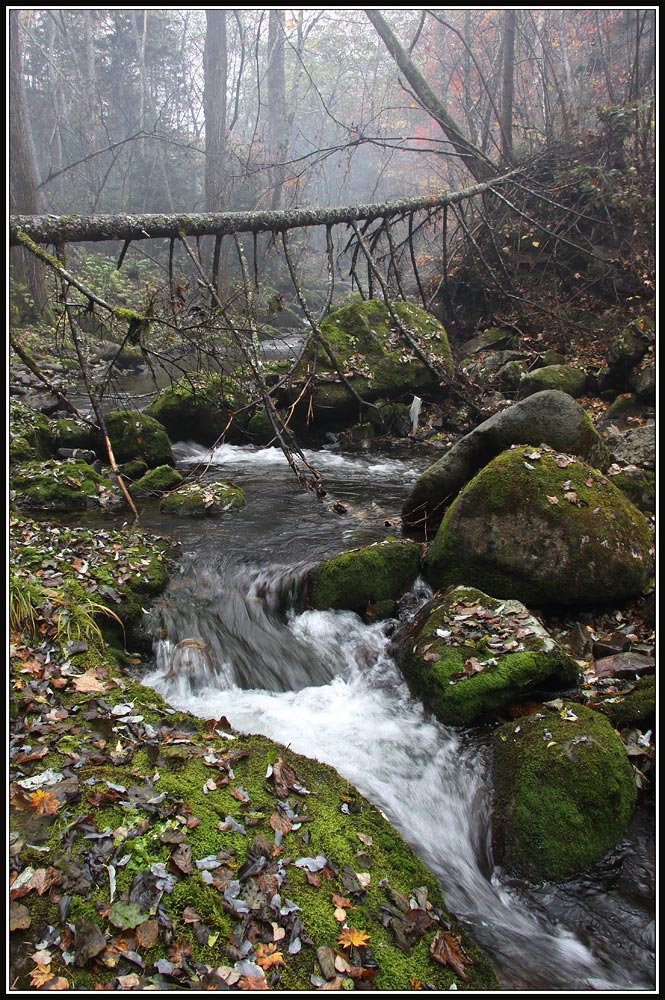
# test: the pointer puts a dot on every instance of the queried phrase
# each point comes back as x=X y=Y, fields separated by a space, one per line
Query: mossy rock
x=545 y=529
x=494 y=338
x=198 y=408
x=475 y=654
x=157 y=481
x=551 y=417
x=562 y=377
x=363 y=579
x=564 y=792
x=137 y=436
x=203 y=500
x=378 y=363
x=33 y=429
x=70 y=432
x=639 y=486
x=634 y=709
x=61 y=486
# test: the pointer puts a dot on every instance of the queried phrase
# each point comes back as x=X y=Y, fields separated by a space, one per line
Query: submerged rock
x=368 y=581
x=564 y=791
x=474 y=654
x=546 y=529
x=552 y=417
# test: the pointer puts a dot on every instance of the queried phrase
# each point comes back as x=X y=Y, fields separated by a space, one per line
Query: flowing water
x=325 y=684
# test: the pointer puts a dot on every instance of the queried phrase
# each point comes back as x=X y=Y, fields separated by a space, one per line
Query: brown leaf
x=447 y=950
x=281 y=823
x=285 y=778
x=252 y=983
x=181 y=859
x=19 y=917
x=44 y=803
x=147 y=934
x=40 y=880
x=190 y=916
x=89 y=683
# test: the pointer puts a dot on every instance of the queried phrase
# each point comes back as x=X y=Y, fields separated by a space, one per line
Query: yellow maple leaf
x=41 y=975
x=267 y=956
x=352 y=937
x=44 y=803
x=89 y=683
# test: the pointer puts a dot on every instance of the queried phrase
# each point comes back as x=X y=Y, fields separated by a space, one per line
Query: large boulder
x=136 y=436
x=564 y=791
x=368 y=581
x=368 y=345
x=546 y=529
x=551 y=417
x=198 y=408
x=474 y=654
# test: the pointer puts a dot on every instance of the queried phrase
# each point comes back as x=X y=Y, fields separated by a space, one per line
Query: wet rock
x=545 y=529
x=199 y=408
x=368 y=581
x=492 y=338
x=203 y=500
x=551 y=417
x=475 y=654
x=137 y=436
x=564 y=791
x=64 y=485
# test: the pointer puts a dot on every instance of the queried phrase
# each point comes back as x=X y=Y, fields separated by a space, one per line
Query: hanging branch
x=320 y=339
x=414 y=263
x=314 y=483
x=32 y=365
x=393 y=259
x=437 y=370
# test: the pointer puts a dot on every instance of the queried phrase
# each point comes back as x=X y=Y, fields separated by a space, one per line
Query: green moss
x=138 y=436
x=73 y=433
x=33 y=428
x=60 y=486
x=156 y=481
x=635 y=709
x=565 y=792
x=363 y=578
x=563 y=377
x=199 y=407
x=545 y=531
x=203 y=500
x=434 y=659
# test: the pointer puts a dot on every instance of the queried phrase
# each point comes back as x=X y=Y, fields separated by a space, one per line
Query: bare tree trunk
x=477 y=164
x=508 y=86
x=26 y=269
x=277 y=127
x=214 y=103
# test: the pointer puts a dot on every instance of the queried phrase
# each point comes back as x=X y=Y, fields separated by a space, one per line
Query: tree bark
x=508 y=86
x=98 y=228
x=22 y=195
x=478 y=166
x=215 y=70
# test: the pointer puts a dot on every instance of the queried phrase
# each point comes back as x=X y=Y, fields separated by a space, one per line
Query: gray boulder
x=549 y=417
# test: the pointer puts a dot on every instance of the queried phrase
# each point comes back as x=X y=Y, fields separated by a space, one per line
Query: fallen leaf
x=44 y=803
x=19 y=917
x=447 y=950
x=268 y=957
x=89 y=683
x=352 y=937
x=147 y=934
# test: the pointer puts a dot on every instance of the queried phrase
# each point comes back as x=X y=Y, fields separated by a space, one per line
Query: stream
x=325 y=684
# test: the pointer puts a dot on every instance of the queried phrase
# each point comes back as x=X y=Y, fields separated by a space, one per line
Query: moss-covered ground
x=152 y=850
